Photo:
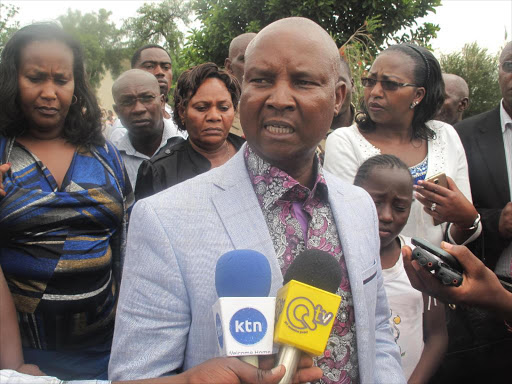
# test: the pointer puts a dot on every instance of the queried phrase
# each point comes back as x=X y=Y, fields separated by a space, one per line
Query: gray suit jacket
x=164 y=319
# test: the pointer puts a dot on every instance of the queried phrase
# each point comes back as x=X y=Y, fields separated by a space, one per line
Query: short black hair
x=427 y=74
x=138 y=52
x=83 y=121
x=189 y=82
x=380 y=161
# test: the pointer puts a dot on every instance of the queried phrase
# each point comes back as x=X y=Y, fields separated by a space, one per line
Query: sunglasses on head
x=387 y=85
x=507 y=66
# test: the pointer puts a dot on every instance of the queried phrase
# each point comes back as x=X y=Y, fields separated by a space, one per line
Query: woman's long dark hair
x=83 y=122
x=427 y=74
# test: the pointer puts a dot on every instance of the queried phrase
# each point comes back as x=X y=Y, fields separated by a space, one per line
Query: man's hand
x=306 y=372
x=230 y=370
x=505 y=225
x=480 y=287
x=3 y=169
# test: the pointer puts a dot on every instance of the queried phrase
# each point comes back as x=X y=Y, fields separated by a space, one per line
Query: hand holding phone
x=438 y=179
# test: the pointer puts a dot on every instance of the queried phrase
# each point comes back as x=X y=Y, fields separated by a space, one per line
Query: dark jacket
x=482 y=139
x=177 y=161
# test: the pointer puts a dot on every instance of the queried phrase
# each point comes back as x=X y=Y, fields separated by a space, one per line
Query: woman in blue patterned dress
x=402 y=92
x=64 y=202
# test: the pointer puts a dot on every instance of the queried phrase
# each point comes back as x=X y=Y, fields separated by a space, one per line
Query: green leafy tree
x=480 y=70
x=222 y=20
x=359 y=52
x=7 y=25
x=100 y=39
x=159 y=23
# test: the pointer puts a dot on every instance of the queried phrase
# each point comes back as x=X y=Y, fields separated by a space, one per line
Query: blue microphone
x=244 y=314
x=243 y=273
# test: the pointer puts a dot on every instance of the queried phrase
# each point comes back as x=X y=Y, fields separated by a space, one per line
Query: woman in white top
x=403 y=91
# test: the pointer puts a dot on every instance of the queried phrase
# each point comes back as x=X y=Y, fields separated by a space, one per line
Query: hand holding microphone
x=306 y=307
x=244 y=314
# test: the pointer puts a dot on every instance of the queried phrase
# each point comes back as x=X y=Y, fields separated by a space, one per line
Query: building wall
x=104 y=93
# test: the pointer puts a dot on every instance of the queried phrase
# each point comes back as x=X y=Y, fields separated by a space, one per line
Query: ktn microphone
x=244 y=314
x=306 y=307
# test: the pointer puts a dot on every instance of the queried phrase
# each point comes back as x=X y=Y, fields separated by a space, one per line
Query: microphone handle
x=288 y=356
x=253 y=360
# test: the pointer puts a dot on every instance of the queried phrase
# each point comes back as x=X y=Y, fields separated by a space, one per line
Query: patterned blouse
x=299 y=219
x=419 y=171
x=62 y=247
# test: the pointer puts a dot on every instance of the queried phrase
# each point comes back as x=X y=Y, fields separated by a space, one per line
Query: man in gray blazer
x=272 y=197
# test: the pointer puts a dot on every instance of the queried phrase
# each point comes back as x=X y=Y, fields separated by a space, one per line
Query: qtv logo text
x=248 y=326
x=303 y=315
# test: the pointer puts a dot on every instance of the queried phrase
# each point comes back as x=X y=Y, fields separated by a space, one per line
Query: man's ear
x=162 y=101
x=340 y=94
x=463 y=104
x=116 y=109
x=227 y=65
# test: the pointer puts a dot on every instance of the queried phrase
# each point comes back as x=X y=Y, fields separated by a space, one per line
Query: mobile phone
x=444 y=266
x=438 y=179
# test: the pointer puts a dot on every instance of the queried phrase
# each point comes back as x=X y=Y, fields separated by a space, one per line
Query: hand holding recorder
x=480 y=287
x=443 y=265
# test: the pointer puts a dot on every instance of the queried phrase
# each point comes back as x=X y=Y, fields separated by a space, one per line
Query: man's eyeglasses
x=387 y=85
x=507 y=66
x=131 y=101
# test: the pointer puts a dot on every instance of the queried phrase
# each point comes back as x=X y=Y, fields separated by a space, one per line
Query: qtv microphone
x=244 y=314
x=306 y=307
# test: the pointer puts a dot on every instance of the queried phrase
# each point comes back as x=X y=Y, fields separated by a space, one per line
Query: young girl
x=417 y=321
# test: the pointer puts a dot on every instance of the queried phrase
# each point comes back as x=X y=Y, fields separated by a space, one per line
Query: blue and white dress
x=62 y=247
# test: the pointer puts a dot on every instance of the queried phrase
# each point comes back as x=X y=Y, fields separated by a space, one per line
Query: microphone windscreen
x=315 y=268
x=243 y=273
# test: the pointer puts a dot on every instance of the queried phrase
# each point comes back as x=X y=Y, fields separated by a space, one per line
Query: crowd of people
x=111 y=230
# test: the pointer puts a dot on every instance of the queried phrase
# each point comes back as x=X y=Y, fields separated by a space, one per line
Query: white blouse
x=346 y=149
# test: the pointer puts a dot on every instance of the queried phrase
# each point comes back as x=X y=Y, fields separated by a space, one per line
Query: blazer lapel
x=345 y=215
x=241 y=215
x=492 y=149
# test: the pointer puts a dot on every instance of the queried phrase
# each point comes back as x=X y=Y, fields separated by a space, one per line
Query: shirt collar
x=125 y=145
x=272 y=184
x=506 y=120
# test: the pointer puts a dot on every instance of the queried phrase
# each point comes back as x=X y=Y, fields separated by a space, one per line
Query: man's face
x=157 y=62
x=505 y=79
x=289 y=97
x=139 y=106
x=236 y=63
x=453 y=106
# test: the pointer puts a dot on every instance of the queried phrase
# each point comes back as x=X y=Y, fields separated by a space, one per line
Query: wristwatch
x=475 y=224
